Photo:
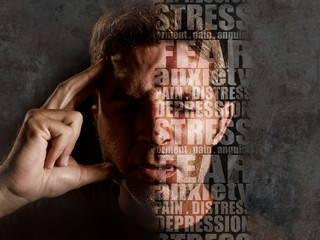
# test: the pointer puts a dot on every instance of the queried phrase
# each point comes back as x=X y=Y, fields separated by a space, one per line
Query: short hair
x=137 y=24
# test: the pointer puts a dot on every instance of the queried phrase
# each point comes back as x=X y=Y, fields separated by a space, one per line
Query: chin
x=147 y=193
x=152 y=195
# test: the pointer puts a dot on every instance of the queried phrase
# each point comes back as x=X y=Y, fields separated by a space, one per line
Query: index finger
x=76 y=89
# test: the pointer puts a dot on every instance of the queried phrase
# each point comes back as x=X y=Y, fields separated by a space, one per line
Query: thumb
x=73 y=176
x=95 y=173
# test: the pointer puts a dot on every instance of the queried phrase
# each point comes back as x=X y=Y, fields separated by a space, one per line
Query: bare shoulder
x=262 y=229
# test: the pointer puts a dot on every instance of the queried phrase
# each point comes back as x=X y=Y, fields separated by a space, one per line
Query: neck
x=167 y=215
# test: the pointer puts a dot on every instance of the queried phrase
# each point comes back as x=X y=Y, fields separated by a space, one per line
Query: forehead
x=136 y=67
x=134 y=72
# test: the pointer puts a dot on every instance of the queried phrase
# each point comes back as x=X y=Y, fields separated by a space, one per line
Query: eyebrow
x=120 y=95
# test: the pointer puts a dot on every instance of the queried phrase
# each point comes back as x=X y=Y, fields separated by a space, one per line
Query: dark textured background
x=44 y=42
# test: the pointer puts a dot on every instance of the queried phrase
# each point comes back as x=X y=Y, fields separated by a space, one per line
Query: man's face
x=154 y=120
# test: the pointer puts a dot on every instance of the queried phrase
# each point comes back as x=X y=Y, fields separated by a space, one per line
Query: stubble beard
x=153 y=194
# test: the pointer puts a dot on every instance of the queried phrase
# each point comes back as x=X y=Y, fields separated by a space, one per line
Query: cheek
x=193 y=133
x=114 y=139
x=194 y=137
x=202 y=167
x=201 y=132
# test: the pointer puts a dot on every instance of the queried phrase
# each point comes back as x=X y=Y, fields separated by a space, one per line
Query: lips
x=158 y=173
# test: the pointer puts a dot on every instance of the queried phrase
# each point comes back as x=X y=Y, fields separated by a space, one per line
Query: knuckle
x=86 y=77
x=65 y=87
x=32 y=113
x=32 y=131
x=77 y=116
x=61 y=85
x=32 y=117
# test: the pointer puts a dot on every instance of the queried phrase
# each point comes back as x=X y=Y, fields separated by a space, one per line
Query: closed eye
x=124 y=107
x=183 y=106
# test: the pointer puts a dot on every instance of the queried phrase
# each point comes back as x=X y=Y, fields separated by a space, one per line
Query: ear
x=94 y=110
x=227 y=113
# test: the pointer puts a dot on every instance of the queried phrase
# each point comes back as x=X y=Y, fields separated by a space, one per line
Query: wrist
x=9 y=202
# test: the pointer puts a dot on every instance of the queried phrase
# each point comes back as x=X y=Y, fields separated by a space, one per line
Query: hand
x=40 y=165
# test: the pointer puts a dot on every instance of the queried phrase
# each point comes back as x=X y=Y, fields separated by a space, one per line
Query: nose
x=153 y=130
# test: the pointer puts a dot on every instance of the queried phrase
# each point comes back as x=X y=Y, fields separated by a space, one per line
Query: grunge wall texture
x=45 y=42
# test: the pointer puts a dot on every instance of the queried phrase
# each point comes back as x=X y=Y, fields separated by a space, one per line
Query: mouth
x=160 y=167
x=155 y=173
